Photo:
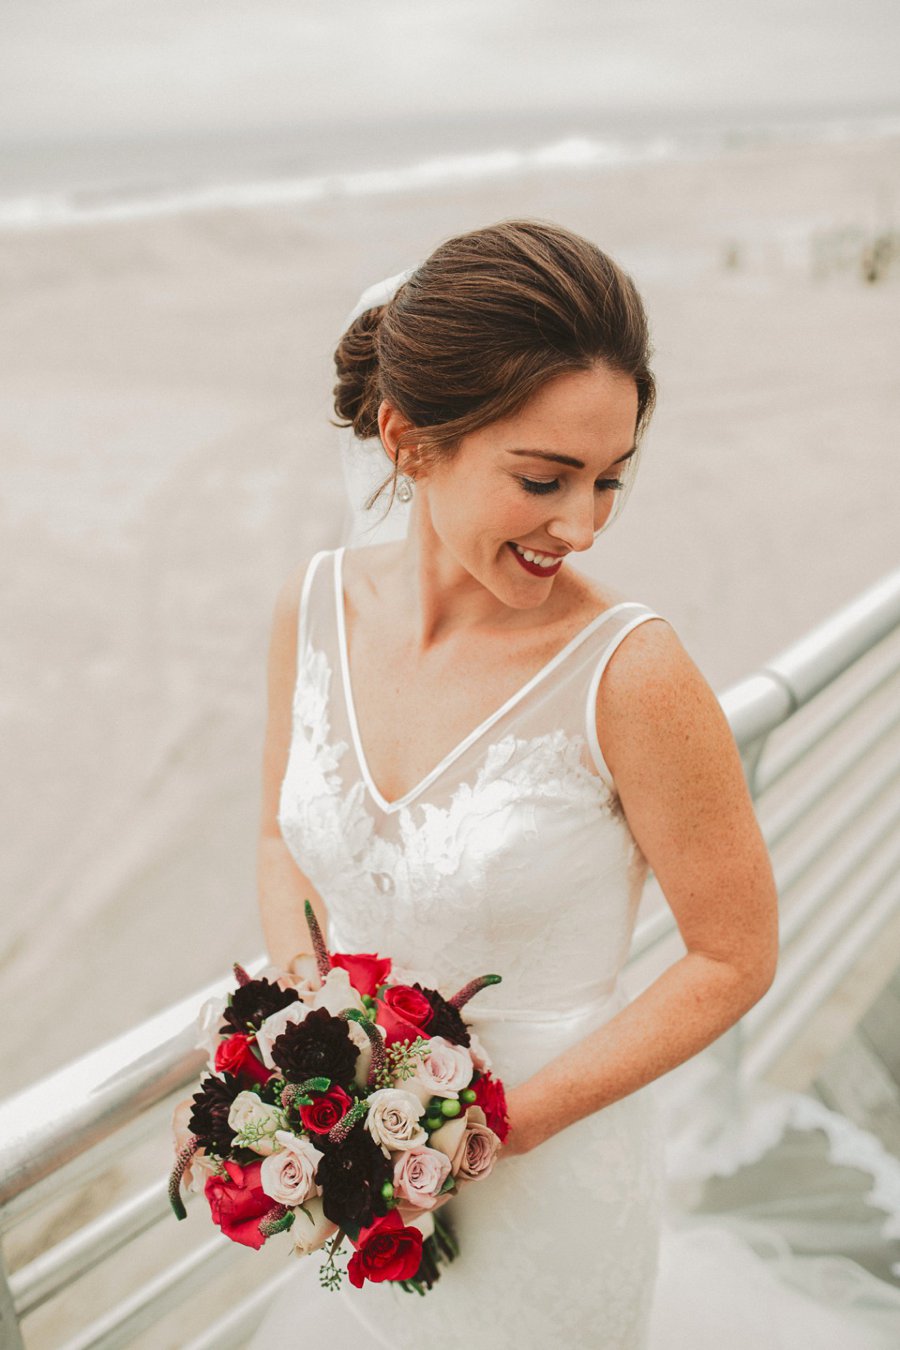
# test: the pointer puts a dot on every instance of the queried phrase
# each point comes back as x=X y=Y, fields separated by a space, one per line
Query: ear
x=391 y=426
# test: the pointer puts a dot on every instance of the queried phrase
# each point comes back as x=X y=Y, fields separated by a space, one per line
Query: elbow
x=759 y=981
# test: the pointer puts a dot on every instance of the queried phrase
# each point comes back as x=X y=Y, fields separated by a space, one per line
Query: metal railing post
x=10 y=1333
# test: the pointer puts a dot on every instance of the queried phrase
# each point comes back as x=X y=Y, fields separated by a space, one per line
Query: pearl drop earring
x=404 y=489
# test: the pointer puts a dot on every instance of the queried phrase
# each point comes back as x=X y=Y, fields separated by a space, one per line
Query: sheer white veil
x=363 y=462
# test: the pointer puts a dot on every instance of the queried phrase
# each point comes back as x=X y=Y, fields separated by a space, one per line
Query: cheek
x=606 y=510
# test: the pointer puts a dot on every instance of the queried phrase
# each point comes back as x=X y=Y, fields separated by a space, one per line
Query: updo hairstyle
x=479 y=327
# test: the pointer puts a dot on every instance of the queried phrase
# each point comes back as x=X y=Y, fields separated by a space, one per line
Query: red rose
x=366 y=969
x=490 y=1096
x=326 y=1110
x=235 y=1056
x=238 y=1204
x=386 y=1251
x=403 y=1013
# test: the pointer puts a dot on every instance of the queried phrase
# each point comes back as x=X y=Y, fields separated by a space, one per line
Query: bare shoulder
x=679 y=778
x=369 y=572
x=656 y=712
x=285 y=620
x=286 y=610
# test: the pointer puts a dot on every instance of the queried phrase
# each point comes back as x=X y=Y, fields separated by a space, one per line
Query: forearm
x=688 y=1007
x=283 y=889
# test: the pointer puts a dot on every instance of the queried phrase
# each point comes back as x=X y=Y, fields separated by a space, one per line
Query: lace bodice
x=513 y=851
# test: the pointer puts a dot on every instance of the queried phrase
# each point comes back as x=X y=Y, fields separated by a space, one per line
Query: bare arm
x=679 y=777
x=282 y=886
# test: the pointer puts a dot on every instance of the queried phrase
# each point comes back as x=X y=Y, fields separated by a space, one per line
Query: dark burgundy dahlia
x=446 y=1020
x=318 y=1047
x=351 y=1176
x=253 y=1002
x=209 y=1117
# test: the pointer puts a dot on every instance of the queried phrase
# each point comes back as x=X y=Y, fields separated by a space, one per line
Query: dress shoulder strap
x=310 y=605
x=630 y=616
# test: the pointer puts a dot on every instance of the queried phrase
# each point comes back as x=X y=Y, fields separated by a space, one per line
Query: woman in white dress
x=472 y=756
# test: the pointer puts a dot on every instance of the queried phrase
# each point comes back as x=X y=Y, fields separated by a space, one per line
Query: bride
x=473 y=755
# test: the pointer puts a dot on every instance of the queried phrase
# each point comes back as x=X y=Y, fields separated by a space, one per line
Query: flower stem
x=444 y=1237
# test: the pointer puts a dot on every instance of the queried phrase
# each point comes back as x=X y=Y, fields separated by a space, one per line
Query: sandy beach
x=168 y=459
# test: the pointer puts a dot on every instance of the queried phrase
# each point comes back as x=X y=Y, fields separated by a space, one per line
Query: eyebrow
x=569 y=460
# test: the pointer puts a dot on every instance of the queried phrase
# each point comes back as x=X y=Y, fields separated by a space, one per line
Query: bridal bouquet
x=349 y=1106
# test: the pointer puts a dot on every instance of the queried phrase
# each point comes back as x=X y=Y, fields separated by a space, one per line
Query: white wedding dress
x=513 y=856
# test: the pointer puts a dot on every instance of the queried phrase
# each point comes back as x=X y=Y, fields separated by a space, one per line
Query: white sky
x=87 y=67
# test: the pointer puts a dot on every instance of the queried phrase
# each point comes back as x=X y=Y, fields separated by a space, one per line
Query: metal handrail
x=757 y=705
x=112 y=1089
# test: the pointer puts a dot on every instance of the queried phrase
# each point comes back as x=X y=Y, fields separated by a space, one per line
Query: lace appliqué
x=339 y=828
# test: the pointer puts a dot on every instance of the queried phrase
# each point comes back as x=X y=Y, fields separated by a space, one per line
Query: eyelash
x=538 y=487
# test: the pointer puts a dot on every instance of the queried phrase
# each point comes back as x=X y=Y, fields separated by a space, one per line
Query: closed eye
x=539 y=486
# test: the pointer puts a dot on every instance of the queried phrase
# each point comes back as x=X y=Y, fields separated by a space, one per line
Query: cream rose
x=393 y=1120
x=209 y=1019
x=201 y=1168
x=364 y=1046
x=200 y=1165
x=419 y=1175
x=276 y=1026
x=302 y=974
x=480 y=1057
x=443 y=1072
x=289 y=1175
x=336 y=993
x=256 y=1123
x=469 y=1143
x=309 y=1235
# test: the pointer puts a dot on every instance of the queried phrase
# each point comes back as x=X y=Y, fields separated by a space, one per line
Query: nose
x=579 y=520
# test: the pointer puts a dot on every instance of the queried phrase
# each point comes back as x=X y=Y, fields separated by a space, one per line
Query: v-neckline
x=390 y=807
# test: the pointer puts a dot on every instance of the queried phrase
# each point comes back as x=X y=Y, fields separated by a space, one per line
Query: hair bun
x=357 y=394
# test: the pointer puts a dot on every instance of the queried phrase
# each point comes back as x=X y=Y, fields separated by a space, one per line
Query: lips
x=533 y=568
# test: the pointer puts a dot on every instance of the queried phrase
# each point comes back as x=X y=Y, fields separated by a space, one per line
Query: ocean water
x=95 y=180
x=116 y=112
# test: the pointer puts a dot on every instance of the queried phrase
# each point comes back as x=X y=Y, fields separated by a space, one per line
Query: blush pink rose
x=419 y=1176
x=443 y=1072
x=469 y=1143
x=289 y=1176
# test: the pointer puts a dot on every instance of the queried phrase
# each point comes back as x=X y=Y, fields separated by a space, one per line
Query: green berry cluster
x=442 y=1109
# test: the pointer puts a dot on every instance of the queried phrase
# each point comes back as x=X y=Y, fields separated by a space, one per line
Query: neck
x=438 y=600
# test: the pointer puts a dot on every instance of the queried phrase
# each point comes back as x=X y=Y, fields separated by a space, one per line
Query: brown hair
x=480 y=326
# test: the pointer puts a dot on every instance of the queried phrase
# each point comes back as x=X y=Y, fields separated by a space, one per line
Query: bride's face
x=543 y=480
